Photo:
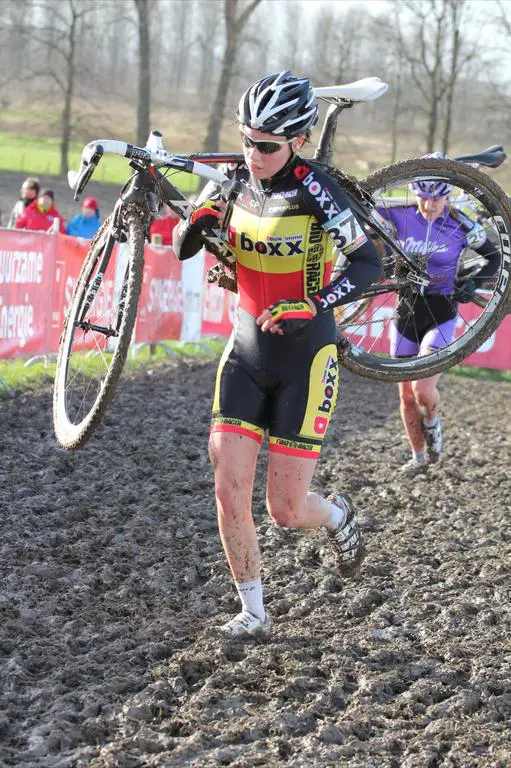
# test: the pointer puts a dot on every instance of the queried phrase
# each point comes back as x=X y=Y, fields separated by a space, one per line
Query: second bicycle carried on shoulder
x=99 y=322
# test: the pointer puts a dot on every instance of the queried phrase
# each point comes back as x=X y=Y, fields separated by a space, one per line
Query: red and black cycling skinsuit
x=283 y=232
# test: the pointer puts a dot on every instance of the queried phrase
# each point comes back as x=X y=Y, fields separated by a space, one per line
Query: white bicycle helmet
x=281 y=104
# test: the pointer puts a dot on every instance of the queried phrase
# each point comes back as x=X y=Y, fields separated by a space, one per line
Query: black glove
x=205 y=217
x=291 y=315
x=464 y=291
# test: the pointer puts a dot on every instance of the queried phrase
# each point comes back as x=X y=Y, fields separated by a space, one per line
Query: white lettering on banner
x=16 y=321
x=165 y=296
x=21 y=267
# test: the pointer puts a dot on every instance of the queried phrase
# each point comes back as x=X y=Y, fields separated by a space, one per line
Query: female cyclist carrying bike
x=279 y=371
x=426 y=321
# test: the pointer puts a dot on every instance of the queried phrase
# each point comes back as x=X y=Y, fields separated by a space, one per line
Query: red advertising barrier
x=495 y=352
x=218 y=306
x=160 y=313
x=38 y=272
x=26 y=277
x=70 y=254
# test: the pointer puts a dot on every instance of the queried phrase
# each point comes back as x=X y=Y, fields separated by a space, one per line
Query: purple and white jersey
x=443 y=244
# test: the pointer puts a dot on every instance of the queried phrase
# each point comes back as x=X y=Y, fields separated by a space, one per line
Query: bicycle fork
x=112 y=236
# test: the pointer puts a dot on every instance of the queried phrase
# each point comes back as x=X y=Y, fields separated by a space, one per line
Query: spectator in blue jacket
x=86 y=223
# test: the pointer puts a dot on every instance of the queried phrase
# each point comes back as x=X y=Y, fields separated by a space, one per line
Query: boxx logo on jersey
x=318 y=192
x=275 y=245
x=329 y=379
x=342 y=289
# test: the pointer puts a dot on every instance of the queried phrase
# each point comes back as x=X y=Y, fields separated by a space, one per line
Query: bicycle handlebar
x=153 y=154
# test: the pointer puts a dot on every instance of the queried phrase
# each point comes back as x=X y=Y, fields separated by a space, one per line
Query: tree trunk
x=181 y=21
x=234 y=24
x=211 y=142
x=68 y=97
x=395 y=116
x=453 y=74
x=144 y=73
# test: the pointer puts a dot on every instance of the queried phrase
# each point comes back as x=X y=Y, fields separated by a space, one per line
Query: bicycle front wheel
x=375 y=350
x=98 y=329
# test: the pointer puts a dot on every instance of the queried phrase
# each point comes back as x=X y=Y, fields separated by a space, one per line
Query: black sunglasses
x=264 y=147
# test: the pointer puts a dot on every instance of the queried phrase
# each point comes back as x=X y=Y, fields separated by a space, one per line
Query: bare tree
x=235 y=15
x=207 y=22
x=59 y=37
x=437 y=54
x=458 y=61
x=144 y=72
x=424 y=55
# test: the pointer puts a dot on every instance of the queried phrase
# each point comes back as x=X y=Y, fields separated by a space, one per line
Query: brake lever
x=229 y=194
x=90 y=158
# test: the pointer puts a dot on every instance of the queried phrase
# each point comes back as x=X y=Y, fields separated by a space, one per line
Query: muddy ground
x=113 y=579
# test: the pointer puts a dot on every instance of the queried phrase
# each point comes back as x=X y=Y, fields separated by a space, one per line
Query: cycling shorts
x=431 y=325
x=286 y=385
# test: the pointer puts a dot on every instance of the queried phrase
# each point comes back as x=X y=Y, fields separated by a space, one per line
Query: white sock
x=337 y=518
x=251 y=596
x=430 y=423
x=419 y=455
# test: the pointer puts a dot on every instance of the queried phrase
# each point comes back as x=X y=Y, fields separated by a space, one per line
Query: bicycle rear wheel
x=475 y=196
x=97 y=330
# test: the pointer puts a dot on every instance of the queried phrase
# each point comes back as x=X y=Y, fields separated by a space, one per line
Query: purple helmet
x=431 y=188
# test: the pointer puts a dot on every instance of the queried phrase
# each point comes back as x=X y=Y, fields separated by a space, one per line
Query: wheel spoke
x=440 y=249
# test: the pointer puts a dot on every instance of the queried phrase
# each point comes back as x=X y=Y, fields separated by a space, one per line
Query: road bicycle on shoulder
x=101 y=317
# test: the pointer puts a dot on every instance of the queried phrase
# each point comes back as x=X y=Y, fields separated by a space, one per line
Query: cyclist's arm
x=490 y=252
x=478 y=241
x=188 y=233
x=331 y=206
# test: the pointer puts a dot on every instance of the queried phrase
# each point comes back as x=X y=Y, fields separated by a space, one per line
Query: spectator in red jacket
x=28 y=193
x=160 y=230
x=41 y=215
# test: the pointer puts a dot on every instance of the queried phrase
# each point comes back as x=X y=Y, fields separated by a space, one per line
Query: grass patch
x=480 y=373
x=32 y=155
x=21 y=377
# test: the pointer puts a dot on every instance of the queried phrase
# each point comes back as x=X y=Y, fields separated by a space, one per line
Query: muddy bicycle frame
x=148 y=187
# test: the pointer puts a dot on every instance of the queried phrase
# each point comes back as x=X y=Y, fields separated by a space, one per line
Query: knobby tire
x=71 y=435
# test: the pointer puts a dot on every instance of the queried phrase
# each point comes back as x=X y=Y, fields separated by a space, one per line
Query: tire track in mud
x=113 y=579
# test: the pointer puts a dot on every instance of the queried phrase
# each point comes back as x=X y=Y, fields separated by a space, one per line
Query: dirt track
x=112 y=579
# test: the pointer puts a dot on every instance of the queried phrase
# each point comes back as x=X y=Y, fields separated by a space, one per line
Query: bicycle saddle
x=367 y=89
x=491 y=157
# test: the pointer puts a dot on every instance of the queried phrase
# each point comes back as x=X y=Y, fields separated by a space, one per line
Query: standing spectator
x=41 y=214
x=160 y=230
x=86 y=223
x=28 y=193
